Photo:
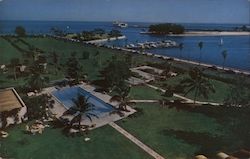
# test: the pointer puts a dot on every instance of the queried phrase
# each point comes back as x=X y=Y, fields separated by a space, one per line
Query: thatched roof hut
x=12 y=108
x=9 y=100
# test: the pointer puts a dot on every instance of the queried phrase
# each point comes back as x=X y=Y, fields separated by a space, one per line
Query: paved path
x=144 y=101
x=136 y=141
x=135 y=81
x=184 y=98
x=143 y=74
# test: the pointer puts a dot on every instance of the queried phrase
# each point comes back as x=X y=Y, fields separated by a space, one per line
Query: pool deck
x=59 y=108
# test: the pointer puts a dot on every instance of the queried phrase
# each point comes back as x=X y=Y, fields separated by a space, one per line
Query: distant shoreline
x=208 y=33
x=165 y=57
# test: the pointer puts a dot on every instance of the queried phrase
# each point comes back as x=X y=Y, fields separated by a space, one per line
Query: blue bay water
x=238 y=47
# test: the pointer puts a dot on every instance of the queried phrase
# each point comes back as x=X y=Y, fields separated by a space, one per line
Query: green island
x=96 y=34
x=166 y=28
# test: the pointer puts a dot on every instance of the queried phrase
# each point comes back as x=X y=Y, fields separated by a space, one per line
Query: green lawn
x=52 y=144
x=221 y=88
x=144 y=92
x=158 y=126
x=173 y=134
x=6 y=81
x=221 y=92
x=91 y=66
x=7 y=52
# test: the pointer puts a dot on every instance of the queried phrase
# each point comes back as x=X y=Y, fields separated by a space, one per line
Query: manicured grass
x=222 y=91
x=6 y=81
x=151 y=125
x=91 y=66
x=221 y=88
x=144 y=92
x=98 y=57
x=147 y=93
x=7 y=52
x=52 y=144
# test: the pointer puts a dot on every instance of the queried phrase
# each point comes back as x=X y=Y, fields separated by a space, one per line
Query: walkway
x=145 y=75
x=144 y=101
x=135 y=81
x=184 y=98
x=136 y=141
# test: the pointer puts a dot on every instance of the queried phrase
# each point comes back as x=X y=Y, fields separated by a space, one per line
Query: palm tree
x=224 y=55
x=32 y=52
x=82 y=107
x=14 y=62
x=238 y=94
x=115 y=73
x=167 y=69
x=198 y=84
x=181 y=45
x=55 y=57
x=200 y=45
x=73 y=67
x=36 y=81
x=97 y=56
x=122 y=97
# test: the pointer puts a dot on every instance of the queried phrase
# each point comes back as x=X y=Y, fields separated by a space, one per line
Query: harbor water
x=238 y=47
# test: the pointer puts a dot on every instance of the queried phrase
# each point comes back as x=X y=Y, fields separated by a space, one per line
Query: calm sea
x=238 y=47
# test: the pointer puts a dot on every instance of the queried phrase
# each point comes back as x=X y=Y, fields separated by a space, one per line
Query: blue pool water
x=66 y=95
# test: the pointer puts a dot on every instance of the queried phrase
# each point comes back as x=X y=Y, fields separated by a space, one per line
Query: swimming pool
x=66 y=95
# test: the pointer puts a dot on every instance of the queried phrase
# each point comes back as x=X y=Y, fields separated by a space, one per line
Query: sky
x=185 y=11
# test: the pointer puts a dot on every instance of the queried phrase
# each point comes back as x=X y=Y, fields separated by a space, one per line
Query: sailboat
x=221 y=42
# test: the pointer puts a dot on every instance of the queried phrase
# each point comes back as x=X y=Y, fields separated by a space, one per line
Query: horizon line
x=122 y=21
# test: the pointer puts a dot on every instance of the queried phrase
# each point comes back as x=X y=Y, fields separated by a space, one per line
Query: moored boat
x=120 y=24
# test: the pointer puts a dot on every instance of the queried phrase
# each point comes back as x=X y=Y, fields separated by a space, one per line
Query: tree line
x=167 y=28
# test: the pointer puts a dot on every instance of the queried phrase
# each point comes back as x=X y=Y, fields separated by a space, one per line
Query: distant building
x=3 y=68
x=12 y=108
x=22 y=68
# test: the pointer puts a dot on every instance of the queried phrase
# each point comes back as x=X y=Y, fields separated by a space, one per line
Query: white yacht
x=221 y=42
x=120 y=24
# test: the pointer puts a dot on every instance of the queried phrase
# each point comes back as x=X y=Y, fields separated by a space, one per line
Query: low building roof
x=9 y=100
